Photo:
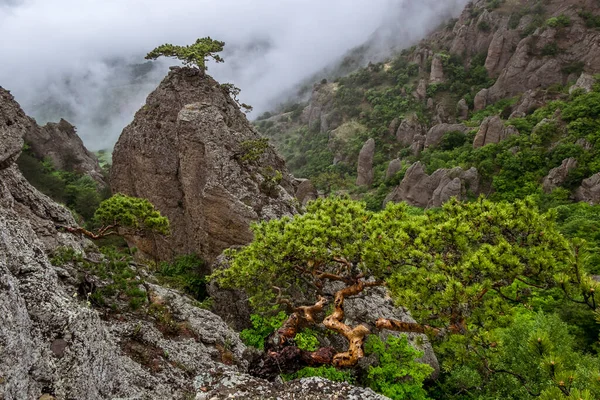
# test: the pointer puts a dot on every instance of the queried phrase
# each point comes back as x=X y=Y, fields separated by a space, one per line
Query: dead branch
x=406 y=327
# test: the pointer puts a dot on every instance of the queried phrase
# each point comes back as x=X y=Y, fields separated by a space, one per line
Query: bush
x=562 y=21
x=397 y=375
x=186 y=273
x=261 y=328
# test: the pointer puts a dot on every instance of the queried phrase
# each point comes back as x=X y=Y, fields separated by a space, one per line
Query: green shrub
x=562 y=21
x=261 y=328
x=186 y=273
x=551 y=49
x=397 y=375
x=484 y=26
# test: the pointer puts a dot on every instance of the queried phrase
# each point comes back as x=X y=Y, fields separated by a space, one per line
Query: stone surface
x=585 y=82
x=408 y=129
x=421 y=91
x=13 y=126
x=492 y=130
x=53 y=344
x=393 y=168
x=318 y=114
x=220 y=383
x=186 y=151
x=462 y=109
x=436 y=133
x=481 y=100
x=422 y=190
x=589 y=191
x=60 y=143
x=437 y=70
x=365 y=173
x=305 y=191
x=557 y=176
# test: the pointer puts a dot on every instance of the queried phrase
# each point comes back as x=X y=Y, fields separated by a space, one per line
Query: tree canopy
x=464 y=269
x=191 y=55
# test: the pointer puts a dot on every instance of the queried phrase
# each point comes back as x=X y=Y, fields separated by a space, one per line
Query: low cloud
x=83 y=60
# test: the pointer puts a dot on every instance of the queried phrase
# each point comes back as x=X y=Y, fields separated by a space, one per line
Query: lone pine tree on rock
x=194 y=55
x=460 y=270
x=125 y=215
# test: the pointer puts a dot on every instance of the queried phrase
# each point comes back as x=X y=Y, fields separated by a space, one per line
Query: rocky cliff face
x=193 y=154
x=54 y=345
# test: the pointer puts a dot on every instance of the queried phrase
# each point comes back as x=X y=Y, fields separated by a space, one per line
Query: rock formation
x=492 y=130
x=589 y=191
x=305 y=191
x=462 y=109
x=585 y=82
x=193 y=154
x=436 y=133
x=422 y=190
x=437 y=70
x=365 y=173
x=393 y=168
x=51 y=342
x=408 y=129
x=557 y=176
x=60 y=142
x=318 y=114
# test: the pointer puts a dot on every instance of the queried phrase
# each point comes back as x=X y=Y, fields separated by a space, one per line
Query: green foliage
x=432 y=263
x=397 y=375
x=186 y=273
x=262 y=327
x=130 y=215
x=121 y=288
x=327 y=372
x=79 y=193
x=252 y=150
x=192 y=55
x=307 y=340
x=532 y=357
x=484 y=26
x=551 y=49
x=562 y=21
x=591 y=20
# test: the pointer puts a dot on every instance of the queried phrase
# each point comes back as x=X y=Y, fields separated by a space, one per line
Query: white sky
x=45 y=42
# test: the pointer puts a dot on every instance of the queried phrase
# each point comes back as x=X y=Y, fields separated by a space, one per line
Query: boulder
x=585 y=82
x=305 y=191
x=195 y=156
x=365 y=173
x=481 y=100
x=393 y=168
x=422 y=190
x=492 y=130
x=436 y=133
x=462 y=109
x=557 y=176
x=318 y=114
x=589 y=191
x=408 y=129
x=421 y=91
x=437 y=70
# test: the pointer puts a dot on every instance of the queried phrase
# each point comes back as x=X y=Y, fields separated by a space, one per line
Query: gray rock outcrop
x=462 y=109
x=437 y=70
x=318 y=114
x=52 y=343
x=194 y=155
x=589 y=191
x=481 y=100
x=557 y=176
x=305 y=191
x=365 y=173
x=393 y=168
x=408 y=129
x=492 y=130
x=60 y=142
x=422 y=190
x=436 y=133
x=221 y=383
x=585 y=82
